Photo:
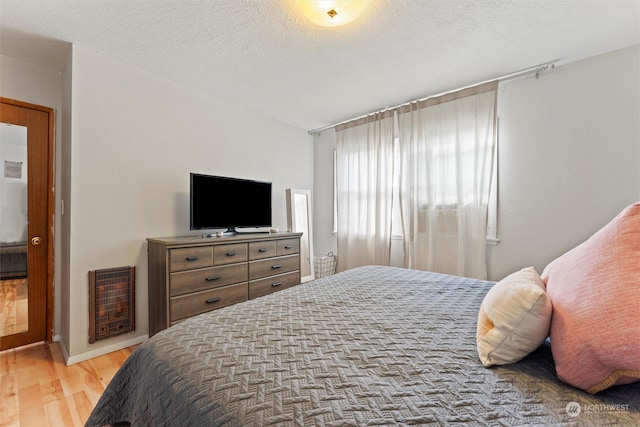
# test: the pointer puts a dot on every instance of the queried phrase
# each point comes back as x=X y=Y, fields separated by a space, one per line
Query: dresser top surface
x=235 y=238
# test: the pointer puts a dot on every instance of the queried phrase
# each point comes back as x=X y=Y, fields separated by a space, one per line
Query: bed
x=369 y=346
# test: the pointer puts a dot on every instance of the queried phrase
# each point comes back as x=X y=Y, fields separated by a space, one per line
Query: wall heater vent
x=111 y=302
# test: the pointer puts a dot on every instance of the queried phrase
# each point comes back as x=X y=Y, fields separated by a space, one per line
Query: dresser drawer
x=260 y=250
x=260 y=287
x=271 y=266
x=229 y=254
x=190 y=258
x=288 y=246
x=207 y=278
x=200 y=302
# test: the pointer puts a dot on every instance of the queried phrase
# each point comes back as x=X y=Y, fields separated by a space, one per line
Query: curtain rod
x=531 y=70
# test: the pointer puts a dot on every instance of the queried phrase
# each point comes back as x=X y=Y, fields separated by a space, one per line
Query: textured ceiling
x=263 y=55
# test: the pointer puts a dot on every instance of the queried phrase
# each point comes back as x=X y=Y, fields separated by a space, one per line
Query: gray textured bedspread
x=370 y=346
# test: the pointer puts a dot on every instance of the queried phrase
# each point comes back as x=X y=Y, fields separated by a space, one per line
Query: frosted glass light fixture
x=331 y=13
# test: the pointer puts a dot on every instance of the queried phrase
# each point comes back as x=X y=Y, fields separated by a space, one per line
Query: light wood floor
x=14 y=306
x=38 y=389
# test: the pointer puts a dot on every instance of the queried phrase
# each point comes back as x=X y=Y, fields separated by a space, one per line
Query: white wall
x=569 y=160
x=569 y=157
x=135 y=137
x=63 y=217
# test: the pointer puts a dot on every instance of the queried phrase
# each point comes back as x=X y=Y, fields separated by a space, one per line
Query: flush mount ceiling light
x=331 y=13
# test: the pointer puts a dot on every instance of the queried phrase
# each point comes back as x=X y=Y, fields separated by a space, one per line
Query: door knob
x=36 y=241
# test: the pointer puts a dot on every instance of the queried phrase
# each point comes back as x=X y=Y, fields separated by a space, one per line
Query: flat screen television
x=219 y=202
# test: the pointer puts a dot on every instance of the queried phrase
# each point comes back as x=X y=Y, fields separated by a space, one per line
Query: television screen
x=224 y=202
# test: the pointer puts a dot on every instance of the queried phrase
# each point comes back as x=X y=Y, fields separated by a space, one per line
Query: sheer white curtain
x=365 y=164
x=447 y=146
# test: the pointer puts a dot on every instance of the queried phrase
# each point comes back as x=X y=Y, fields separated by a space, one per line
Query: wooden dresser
x=193 y=275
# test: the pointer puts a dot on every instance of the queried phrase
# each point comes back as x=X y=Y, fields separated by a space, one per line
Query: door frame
x=50 y=208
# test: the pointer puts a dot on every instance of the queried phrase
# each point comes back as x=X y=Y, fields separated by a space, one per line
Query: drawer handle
x=288 y=247
x=275 y=285
x=192 y=258
x=232 y=253
x=212 y=278
x=262 y=250
x=276 y=266
x=212 y=300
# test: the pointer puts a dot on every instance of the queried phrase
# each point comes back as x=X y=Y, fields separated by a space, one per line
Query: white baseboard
x=71 y=360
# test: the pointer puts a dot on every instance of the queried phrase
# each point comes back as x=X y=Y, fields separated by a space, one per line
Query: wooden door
x=26 y=222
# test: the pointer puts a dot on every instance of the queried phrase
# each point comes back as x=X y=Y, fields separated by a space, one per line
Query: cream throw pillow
x=514 y=318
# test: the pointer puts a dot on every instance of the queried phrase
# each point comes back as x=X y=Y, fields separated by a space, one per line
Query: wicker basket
x=324 y=265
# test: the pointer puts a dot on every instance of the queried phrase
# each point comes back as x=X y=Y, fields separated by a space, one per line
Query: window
x=396 y=226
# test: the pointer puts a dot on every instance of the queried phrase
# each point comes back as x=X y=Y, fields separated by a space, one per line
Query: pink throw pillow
x=595 y=291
